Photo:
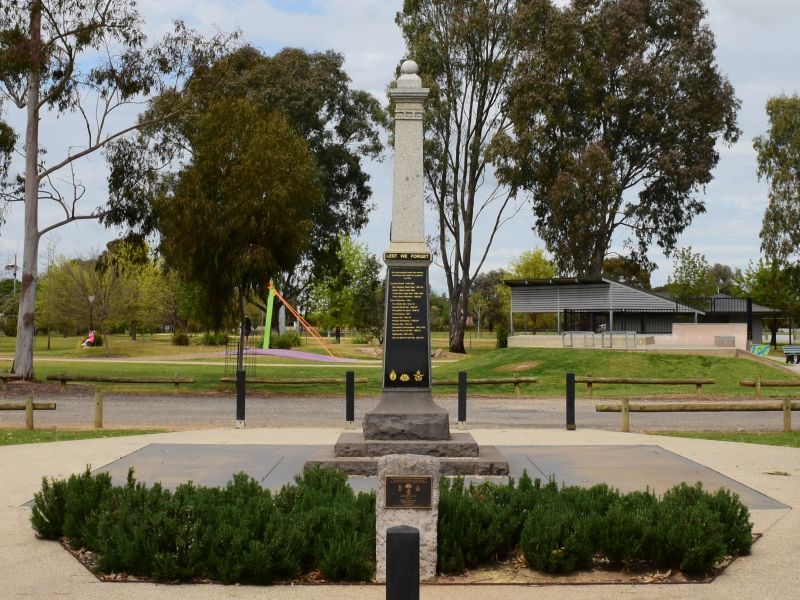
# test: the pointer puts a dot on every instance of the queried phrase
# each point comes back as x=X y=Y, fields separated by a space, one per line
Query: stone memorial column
x=406 y=410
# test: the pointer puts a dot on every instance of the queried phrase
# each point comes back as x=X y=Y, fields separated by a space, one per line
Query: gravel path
x=76 y=409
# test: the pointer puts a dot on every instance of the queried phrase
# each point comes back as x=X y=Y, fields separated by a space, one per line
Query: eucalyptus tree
x=88 y=59
x=779 y=163
x=340 y=124
x=465 y=53
x=617 y=109
x=241 y=207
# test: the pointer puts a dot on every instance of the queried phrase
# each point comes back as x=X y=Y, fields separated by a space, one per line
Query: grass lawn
x=773 y=439
x=9 y=437
x=548 y=364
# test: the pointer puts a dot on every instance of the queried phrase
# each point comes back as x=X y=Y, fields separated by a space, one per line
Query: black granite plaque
x=406 y=361
x=408 y=491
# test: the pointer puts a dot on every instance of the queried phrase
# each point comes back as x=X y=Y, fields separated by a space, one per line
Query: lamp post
x=91 y=306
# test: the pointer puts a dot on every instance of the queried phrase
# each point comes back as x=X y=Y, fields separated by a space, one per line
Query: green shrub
x=84 y=493
x=180 y=338
x=47 y=515
x=737 y=529
x=502 y=335
x=64 y=508
x=627 y=533
x=245 y=534
x=362 y=338
x=476 y=524
x=214 y=339
x=556 y=538
x=338 y=525
x=284 y=341
x=9 y=326
x=689 y=533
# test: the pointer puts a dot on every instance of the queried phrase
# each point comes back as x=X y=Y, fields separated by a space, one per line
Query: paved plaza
x=765 y=476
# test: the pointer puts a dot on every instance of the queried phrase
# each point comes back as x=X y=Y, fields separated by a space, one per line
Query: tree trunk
x=23 y=357
x=133 y=332
x=773 y=329
x=458 y=320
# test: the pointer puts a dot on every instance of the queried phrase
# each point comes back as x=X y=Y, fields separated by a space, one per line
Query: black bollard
x=240 y=383
x=462 y=396
x=350 y=396
x=570 y=401
x=402 y=563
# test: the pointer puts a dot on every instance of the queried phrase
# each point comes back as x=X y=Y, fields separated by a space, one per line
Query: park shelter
x=601 y=304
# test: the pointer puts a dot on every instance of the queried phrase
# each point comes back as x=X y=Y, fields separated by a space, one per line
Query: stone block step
x=490 y=461
x=352 y=444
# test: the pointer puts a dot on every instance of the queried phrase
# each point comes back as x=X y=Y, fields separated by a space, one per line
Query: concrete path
x=35 y=569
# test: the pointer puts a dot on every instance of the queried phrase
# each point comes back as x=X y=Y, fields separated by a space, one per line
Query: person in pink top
x=89 y=340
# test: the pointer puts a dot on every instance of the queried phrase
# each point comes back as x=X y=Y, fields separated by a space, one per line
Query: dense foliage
x=778 y=160
x=238 y=534
x=559 y=530
x=243 y=533
x=617 y=107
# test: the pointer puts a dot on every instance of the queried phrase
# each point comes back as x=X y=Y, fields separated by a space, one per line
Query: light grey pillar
x=406 y=410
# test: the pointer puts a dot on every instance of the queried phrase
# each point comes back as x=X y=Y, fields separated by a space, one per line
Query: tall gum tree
x=466 y=57
x=779 y=163
x=88 y=58
x=617 y=107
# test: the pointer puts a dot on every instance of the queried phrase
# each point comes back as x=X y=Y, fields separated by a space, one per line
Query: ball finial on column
x=409 y=67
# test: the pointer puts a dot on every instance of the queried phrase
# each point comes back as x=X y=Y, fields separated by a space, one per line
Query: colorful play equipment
x=273 y=293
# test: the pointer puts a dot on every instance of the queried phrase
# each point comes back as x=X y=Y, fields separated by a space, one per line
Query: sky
x=757 y=48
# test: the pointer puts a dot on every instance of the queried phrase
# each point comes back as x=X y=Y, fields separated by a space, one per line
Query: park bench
x=591 y=381
x=6 y=377
x=759 y=383
x=515 y=380
x=792 y=354
x=28 y=406
x=64 y=378
x=625 y=407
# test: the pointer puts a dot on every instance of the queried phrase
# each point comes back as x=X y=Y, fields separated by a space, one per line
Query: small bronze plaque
x=408 y=491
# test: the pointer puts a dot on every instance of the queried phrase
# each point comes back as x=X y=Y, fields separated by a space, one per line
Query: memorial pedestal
x=407 y=420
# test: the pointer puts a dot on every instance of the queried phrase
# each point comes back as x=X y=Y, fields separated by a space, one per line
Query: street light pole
x=91 y=306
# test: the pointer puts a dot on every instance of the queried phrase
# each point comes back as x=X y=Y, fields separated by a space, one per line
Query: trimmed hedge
x=559 y=530
x=239 y=534
x=245 y=534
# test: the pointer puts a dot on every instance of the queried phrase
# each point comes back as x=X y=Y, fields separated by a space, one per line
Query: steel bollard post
x=350 y=397
x=402 y=563
x=240 y=394
x=462 y=398
x=570 y=401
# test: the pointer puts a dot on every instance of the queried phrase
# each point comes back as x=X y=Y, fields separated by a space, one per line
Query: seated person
x=89 y=340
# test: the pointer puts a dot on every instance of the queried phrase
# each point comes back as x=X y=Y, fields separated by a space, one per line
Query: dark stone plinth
x=490 y=461
x=351 y=444
x=407 y=415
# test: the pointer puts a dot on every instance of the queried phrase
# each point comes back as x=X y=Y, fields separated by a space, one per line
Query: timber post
x=29 y=412
x=626 y=415
x=98 y=409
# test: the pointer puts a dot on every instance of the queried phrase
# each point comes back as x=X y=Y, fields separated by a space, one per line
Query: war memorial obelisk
x=407 y=410
x=406 y=419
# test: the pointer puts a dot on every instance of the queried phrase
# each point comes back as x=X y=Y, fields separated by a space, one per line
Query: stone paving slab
x=625 y=467
x=32 y=569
